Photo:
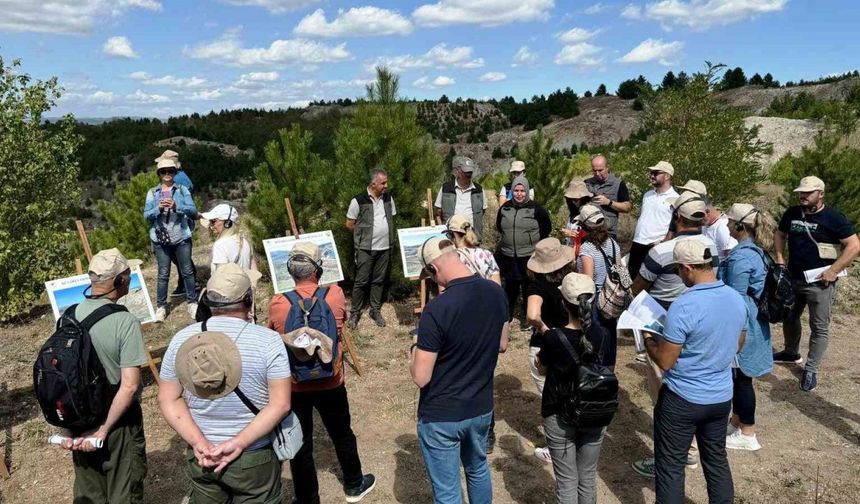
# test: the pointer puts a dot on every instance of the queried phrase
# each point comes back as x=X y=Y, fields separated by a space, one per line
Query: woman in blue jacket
x=745 y=270
x=170 y=211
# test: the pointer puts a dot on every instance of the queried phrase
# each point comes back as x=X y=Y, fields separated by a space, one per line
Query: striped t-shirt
x=264 y=357
x=612 y=251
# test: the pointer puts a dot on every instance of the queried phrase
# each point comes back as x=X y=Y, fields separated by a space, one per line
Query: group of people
x=227 y=382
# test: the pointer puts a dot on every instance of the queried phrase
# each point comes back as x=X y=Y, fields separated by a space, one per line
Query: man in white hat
x=231 y=246
x=655 y=216
x=517 y=169
x=327 y=395
x=814 y=233
x=116 y=472
x=610 y=193
x=462 y=196
x=696 y=352
x=460 y=335
x=229 y=446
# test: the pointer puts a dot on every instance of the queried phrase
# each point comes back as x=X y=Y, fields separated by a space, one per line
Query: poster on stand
x=65 y=292
x=278 y=254
x=411 y=240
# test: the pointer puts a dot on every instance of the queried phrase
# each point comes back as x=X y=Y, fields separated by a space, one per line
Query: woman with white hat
x=518 y=169
x=477 y=259
x=745 y=270
x=547 y=267
x=231 y=246
x=574 y=451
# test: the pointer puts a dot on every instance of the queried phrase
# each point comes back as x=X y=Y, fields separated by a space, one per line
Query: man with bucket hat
x=327 y=395
x=460 y=335
x=114 y=473
x=229 y=448
x=814 y=233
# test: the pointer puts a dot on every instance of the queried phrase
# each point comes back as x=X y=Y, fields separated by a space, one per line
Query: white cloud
x=524 y=57
x=703 y=14
x=101 y=98
x=581 y=54
x=229 y=51
x=141 y=97
x=440 y=81
x=575 y=35
x=168 y=80
x=212 y=94
x=63 y=16
x=356 y=22
x=595 y=9
x=482 y=12
x=256 y=79
x=665 y=53
x=119 y=47
x=443 y=81
x=440 y=56
x=493 y=77
x=276 y=6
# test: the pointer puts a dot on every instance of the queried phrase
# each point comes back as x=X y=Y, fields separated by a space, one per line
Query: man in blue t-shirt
x=460 y=335
x=696 y=352
x=813 y=232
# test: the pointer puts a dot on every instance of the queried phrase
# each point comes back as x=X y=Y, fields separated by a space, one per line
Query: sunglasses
x=656 y=173
x=166 y=172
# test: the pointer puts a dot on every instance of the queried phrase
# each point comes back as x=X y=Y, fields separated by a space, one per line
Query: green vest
x=363 y=235
x=519 y=229
x=449 y=203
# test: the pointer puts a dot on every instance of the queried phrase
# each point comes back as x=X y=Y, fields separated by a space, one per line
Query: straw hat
x=208 y=365
x=576 y=190
x=550 y=255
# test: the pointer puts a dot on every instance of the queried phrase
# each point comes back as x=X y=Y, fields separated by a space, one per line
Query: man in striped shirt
x=229 y=452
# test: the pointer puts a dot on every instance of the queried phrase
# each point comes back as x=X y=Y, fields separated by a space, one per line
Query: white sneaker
x=543 y=455
x=740 y=441
x=192 y=310
x=160 y=314
x=641 y=358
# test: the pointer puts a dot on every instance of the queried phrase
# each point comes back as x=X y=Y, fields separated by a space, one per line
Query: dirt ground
x=809 y=440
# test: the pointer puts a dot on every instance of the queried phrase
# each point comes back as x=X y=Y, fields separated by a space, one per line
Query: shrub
x=127 y=229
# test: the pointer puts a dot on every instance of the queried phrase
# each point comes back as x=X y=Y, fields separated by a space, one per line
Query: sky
x=158 y=58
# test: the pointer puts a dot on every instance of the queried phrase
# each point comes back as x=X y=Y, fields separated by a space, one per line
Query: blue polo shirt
x=707 y=320
x=463 y=327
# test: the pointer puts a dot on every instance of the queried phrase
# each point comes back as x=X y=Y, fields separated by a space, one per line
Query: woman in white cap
x=745 y=270
x=231 y=246
x=596 y=256
x=574 y=451
x=477 y=259
x=547 y=267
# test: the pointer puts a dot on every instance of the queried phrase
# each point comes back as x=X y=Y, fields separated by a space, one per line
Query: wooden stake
x=79 y=268
x=293 y=227
x=430 y=217
x=423 y=292
x=82 y=234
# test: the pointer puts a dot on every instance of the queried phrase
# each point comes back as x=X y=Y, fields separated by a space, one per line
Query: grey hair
x=375 y=172
x=227 y=308
x=301 y=270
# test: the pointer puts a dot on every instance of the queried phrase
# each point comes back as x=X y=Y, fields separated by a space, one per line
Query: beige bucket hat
x=550 y=255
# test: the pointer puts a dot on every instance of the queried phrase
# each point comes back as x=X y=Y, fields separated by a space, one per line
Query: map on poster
x=65 y=292
x=278 y=254
x=411 y=240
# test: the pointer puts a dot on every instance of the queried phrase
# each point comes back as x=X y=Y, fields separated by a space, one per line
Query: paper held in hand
x=643 y=314
x=814 y=275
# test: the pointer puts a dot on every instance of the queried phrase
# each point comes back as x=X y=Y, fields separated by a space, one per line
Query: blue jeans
x=165 y=255
x=447 y=444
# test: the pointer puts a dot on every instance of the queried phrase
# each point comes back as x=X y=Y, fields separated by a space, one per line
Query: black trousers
x=371 y=274
x=676 y=421
x=743 y=400
x=638 y=253
x=333 y=408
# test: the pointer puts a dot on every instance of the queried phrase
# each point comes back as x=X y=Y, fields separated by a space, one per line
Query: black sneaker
x=358 y=493
x=787 y=358
x=178 y=293
x=352 y=322
x=808 y=381
x=377 y=317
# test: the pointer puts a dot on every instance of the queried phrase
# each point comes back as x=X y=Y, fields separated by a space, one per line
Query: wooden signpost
x=297 y=232
x=82 y=234
x=423 y=288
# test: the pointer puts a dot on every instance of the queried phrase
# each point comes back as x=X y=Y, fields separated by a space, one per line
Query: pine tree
x=601 y=90
x=756 y=80
x=669 y=81
x=127 y=230
x=546 y=171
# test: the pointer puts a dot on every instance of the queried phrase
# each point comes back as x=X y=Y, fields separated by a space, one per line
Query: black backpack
x=777 y=298
x=68 y=377
x=588 y=391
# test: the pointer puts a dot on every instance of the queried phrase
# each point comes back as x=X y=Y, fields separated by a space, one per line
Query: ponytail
x=471 y=238
x=585 y=311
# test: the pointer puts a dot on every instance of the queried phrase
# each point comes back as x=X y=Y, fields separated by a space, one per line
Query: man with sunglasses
x=655 y=217
x=462 y=196
x=460 y=335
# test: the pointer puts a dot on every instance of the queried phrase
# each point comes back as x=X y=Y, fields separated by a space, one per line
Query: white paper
x=643 y=314
x=57 y=439
x=814 y=275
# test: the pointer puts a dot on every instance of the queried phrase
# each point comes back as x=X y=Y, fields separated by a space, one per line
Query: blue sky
x=169 y=57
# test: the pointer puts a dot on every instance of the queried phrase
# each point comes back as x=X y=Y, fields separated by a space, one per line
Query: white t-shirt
x=231 y=249
x=719 y=233
x=464 y=200
x=379 y=241
x=656 y=215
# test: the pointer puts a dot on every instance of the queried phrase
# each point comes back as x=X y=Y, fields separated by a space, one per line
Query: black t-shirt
x=623 y=193
x=552 y=310
x=463 y=326
x=828 y=225
x=558 y=363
